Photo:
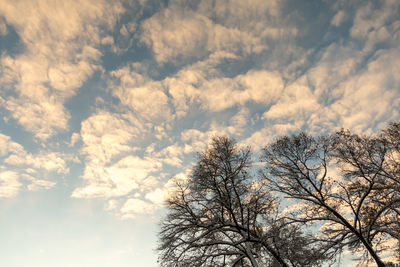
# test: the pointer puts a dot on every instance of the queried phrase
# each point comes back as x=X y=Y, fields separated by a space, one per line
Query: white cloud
x=30 y=114
x=237 y=126
x=149 y=101
x=347 y=87
x=105 y=135
x=48 y=161
x=178 y=33
x=16 y=155
x=240 y=120
x=8 y=146
x=191 y=86
x=172 y=34
x=183 y=91
x=258 y=86
x=338 y=18
x=263 y=86
x=217 y=94
x=171 y=155
x=110 y=168
x=112 y=204
x=377 y=25
x=134 y=207
x=244 y=15
x=60 y=53
x=75 y=137
x=369 y=96
x=296 y=103
x=9 y=184
x=18 y=163
x=157 y=196
x=195 y=140
x=37 y=184
x=144 y=96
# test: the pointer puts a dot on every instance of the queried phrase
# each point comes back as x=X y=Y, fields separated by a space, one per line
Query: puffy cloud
x=134 y=207
x=75 y=137
x=180 y=33
x=112 y=204
x=50 y=162
x=119 y=179
x=63 y=21
x=159 y=195
x=192 y=86
x=279 y=86
x=196 y=140
x=335 y=93
x=110 y=168
x=243 y=15
x=171 y=155
x=17 y=164
x=315 y=90
x=16 y=155
x=9 y=184
x=199 y=85
x=183 y=90
x=144 y=96
x=37 y=184
x=346 y=87
x=369 y=96
x=30 y=114
x=8 y=146
x=296 y=103
x=377 y=25
x=60 y=54
x=237 y=125
x=105 y=135
x=338 y=18
x=258 y=86
x=173 y=35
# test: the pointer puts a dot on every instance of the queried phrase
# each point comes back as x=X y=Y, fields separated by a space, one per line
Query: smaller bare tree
x=222 y=217
x=345 y=184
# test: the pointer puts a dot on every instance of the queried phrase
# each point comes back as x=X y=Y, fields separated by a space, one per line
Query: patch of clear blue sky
x=11 y=43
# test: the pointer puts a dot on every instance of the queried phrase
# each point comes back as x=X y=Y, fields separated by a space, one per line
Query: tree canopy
x=314 y=198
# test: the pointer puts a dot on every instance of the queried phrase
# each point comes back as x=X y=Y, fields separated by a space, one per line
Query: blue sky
x=104 y=103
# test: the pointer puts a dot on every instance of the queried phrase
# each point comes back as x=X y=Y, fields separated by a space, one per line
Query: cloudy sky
x=103 y=102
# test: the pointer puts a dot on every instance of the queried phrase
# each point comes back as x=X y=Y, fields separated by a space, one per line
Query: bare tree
x=222 y=217
x=371 y=167
x=345 y=184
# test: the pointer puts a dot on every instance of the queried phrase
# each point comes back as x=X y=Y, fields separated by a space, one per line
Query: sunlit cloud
x=9 y=184
x=20 y=168
x=180 y=33
x=109 y=101
x=59 y=55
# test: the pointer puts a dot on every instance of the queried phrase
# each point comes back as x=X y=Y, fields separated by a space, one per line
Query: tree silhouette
x=345 y=184
x=315 y=198
x=222 y=216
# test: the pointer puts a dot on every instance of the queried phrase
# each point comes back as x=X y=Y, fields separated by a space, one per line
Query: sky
x=104 y=103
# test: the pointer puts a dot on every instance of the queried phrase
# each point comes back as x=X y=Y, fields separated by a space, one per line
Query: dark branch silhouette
x=224 y=217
